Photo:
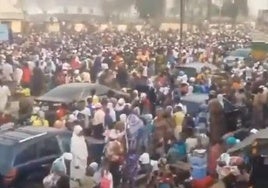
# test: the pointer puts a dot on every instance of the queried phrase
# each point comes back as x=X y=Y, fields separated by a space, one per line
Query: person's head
x=89 y=100
x=67 y=157
x=93 y=92
x=178 y=109
x=231 y=141
x=41 y=114
x=94 y=166
x=241 y=91
x=90 y=171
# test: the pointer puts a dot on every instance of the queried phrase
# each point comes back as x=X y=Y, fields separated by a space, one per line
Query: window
x=65 y=142
x=26 y=155
x=48 y=147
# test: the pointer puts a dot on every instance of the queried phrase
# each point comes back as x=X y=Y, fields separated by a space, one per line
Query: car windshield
x=240 y=53
x=5 y=159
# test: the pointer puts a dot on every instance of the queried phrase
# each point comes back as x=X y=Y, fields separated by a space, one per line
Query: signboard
x=4 y=32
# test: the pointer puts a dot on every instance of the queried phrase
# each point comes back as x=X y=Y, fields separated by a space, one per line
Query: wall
x=16 y=26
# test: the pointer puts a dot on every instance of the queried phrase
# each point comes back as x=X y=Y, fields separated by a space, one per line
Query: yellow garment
x=95 y=100
x=179 y=117
x=40 y=122
x=33 y=118
x=26 y=92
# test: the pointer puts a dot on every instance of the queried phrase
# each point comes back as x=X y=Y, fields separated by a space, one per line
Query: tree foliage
x=230 y=9
x=150 y=8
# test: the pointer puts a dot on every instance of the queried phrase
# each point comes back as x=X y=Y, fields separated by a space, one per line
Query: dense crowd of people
x=152 y=133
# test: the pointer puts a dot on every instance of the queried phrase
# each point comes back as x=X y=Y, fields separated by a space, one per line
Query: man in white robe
x=4 y=94
x=80 y=155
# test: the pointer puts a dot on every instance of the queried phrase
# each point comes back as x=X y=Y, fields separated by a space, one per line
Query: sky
x=255 y=5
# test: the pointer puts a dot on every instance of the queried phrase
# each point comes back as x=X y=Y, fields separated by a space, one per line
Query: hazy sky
x=255 y=5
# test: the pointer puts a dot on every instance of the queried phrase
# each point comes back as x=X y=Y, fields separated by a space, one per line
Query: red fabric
x=75 y=64
x=214 y=154
x=147 y=104
x=105 y=182
x=203 y=183
x=5 y=119
x=61 y=112
x=26 y=76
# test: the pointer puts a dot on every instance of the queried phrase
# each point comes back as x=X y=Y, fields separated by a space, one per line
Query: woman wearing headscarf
x=134 y=125
x=80 y=155
x=59 y=172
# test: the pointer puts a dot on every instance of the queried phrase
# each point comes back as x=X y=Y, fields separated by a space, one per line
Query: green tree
x=230 y=9
x=242 y=7
x=150 y=8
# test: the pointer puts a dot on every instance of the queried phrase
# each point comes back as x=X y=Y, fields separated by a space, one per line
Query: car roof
x=72 y=92
x=243 y=49
x=195 y=98
x=15 y=136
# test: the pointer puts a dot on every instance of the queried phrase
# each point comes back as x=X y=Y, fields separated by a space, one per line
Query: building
x=11 y=15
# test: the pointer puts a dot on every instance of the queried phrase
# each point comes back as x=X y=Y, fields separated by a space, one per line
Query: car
x=193 y=69
x=71 y=95
x=241 y=54
x=27 y=154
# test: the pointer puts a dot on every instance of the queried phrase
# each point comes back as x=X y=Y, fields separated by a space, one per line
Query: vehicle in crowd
x=193 y=102
x=72 y=95
x=255 y=148
x=254 y=144
x=28 y=152
x=193 y=69
x=74 y=92
x=240 y=54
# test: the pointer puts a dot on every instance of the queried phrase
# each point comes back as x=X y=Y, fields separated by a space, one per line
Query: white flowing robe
x=80 y=154
x=4 y=94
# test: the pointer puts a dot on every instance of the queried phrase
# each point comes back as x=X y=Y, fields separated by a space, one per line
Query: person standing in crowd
x=4 y=95
x=7 y=69
x=58 y=176
x=98 y=121
x=39 y=120
x=79 y=151
x=88 y=180
x=37 y=81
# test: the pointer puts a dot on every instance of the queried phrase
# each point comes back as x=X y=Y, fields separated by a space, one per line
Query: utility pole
x=209 y=3
x=181 y=21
